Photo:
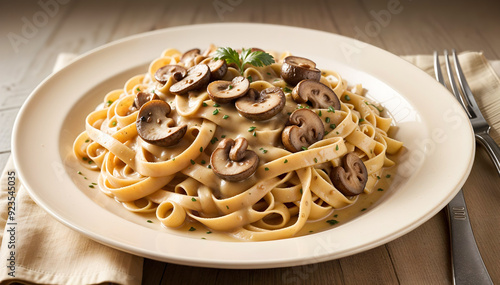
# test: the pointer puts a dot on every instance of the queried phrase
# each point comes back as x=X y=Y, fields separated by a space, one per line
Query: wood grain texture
x=402 y=27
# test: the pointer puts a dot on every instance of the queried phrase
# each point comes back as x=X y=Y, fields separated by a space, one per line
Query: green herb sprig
x=247 y=56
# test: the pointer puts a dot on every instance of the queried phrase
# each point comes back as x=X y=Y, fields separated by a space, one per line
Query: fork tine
x=437 y=69
x=453 y=84
x=471 y=102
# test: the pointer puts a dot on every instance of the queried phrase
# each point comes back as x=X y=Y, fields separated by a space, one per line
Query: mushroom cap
x=320 y=95
x=222 y=91
x=305 y=128
x=188 y=57
x=197 y=77
x=232 y=161
x=171 y=70
x=351 y=177
x=263 y=105
x=142 y=98
x=295 y=69
x=218 y=68
x=155 y=127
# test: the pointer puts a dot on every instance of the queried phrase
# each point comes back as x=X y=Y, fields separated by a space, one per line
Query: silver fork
x=467 y=265
x=479 y=124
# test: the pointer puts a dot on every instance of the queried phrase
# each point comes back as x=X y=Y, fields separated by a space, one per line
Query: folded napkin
x=48 y=252
x=38 y=249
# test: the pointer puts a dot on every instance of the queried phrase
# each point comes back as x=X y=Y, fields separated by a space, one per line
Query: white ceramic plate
x=435 y=131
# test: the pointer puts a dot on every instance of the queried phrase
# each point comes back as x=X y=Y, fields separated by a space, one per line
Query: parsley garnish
x=247 y=56
x=332 y=222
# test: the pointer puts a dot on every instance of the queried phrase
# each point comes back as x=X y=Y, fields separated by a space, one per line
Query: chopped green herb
x=335 y=215
x=109 y=103
x=91 y=186
x=286 y=161
x=332 y=222
x=216 y=105
x=268 y=73
x=191 y=229
x=209 y=166
x=388 y=176
x=230 y=87
x=330 y=109
x=209 y=232
x=266 y=169
x=149 y=221
x=304 y=148
x=192 y=162
x=327 y=119
x=215 y=112
x=93 y=183
x=347 y=98
x=337 y=147
x=113 y=123
x=225 y=117
x=249 y=77
x=364 y=209
x=332 y=126
x=193 y=199
x=378 y=177
x=214 y=140
x=203 y=162
x=223 y=136
x=79 y=172
x=138 y=89
x=227 y=207
x=254 y=134
x=87 y=140
x=201 y=149
x=204 y=104
x=251 y=129
x=315 y=160
x=263 y=150
x=85 y=158
x=380 y=189
x=361 y=120
x=301 y=191
x=319 y=113
x=287 y=90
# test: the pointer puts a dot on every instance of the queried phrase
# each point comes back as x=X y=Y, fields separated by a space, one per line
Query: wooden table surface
x=32 y=37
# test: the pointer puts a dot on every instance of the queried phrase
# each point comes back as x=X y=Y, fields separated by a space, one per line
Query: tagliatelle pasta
x=286 y=189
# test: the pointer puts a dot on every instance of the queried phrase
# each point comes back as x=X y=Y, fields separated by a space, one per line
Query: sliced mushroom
x=263 y=105
x=218 y=68
x=296 y=69
x=188 y=57
x=222 y=91
x=320 y=95
x=155 y=127
x=172 y=70
x=351 y=177
x=305 y=128
x=197 y=77
x=143 y=97
x=232 y=161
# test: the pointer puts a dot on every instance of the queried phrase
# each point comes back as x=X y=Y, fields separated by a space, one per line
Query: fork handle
x=491 y=146
x=468 y=266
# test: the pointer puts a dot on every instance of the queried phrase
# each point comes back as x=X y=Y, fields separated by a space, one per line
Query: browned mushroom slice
x=320 y=95
x=222 y=91
x=296 y=69
x=218 y=69
x=172 y=70
x=197 y=77
x=305 y=128
x=155 y=127
x=351 y=177
x=143 y=97
x=188 y=57
x=261 y=106
x=232 y=161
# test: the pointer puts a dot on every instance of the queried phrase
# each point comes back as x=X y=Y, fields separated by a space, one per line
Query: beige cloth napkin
x=38 y=249
x=48 y=252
